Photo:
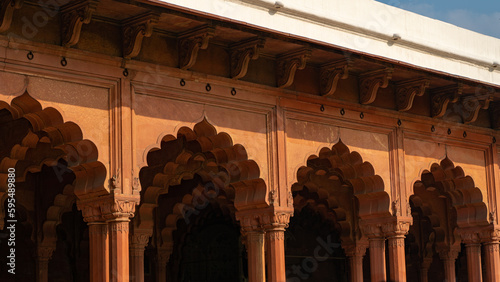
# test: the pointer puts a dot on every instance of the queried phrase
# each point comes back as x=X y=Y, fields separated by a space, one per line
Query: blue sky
x=482 y=16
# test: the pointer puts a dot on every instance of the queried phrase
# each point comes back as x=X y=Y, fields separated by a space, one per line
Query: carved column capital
x=489 y=235
x=248 y=222
x=241 y=54
x=138 y=242
x=163 y=254
x=355 y=249
x=73 y=16
x=114 y=208
x=44 y=252
x=407 y=90
x=278 y=221
x=396 y=228
x=288 y=63
x=191 y=42
x=372 y=230
x=442 y=96
x=91 y=211
x=370 y=82
x=470 y=238
x=331 y=73
x=134 y=30
x=7 y=11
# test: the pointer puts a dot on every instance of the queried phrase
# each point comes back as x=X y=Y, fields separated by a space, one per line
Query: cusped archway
x=197 y=170
x=51 y=165
x=448 y=211
x=338 y=185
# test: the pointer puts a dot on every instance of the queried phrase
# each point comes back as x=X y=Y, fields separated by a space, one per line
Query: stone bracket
x=288 y=63
x=241 y=54
x=134 y=30
x=442 y=96
x=471 y=106
x=407 y=90
x=190 y=42
x=7 y=11
x=371 y=81
x=73 y=16
x=331 y=73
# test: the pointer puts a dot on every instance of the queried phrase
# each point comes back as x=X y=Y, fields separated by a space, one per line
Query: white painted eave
x=369 y=27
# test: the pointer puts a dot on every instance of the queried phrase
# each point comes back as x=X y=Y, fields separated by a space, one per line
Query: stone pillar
x=274 y=226
x=448 y=257
x=376 y=241
x=43 y=256
x=355 y=254
x=424 y=269
x=254 y=241
x=117 y=211
x=162 y=258
x=395 y=233
x=492 y=260
x=98 y=239
x=99 y=251
x=473 y=251
x=491 y=239
x=139 y=242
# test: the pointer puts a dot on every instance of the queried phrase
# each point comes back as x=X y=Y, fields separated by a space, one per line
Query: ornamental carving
x=276 y=235
x=119 y=226
x=275 y=220
x=470 y=238
x=116 y=208
x=371 y=82
x=241 y=53
x=134 y=30
x=73 y=16
x=396 y=242
x=357 y=249
x=7 y=11
x=441 y=97
x=407 y=90
x=45 y=252
x=330 y=74
x=287 y=64
x=470 y=106
x=191 y=42
x=396 y=228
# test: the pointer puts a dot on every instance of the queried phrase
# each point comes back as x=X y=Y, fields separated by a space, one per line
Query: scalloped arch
x=212 y=157
x=340 y=182
x=38 y=137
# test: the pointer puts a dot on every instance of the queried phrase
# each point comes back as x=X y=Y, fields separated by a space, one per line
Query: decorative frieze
x=191 y=42
x=7 y=12
x=242 y=53
x=73 y=16
x=287 y=64
x=331 y=73
x=407 y=90
x=371 y=82
x=134 y=30
x=441 y=97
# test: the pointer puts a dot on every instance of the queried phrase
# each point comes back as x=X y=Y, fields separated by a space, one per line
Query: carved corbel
x=7 y=11
x=134 y=30
x=407 y=90
x=371 y=81
x=191 y=42
x=442 y=96
x=495 y=115
x=288 y=63
x=242 y=53
x=330 y=74
x=73 y=16
x=471 y=106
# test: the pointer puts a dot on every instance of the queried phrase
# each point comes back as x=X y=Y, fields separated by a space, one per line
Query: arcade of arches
x=204 y=213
